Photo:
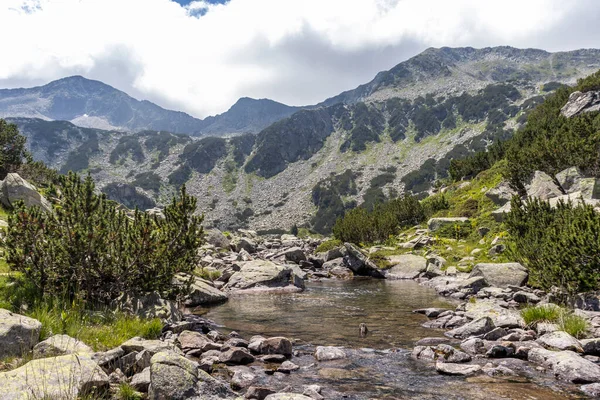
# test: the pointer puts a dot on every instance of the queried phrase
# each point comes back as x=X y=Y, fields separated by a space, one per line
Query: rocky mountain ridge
x=93 y=104
x=308 y=168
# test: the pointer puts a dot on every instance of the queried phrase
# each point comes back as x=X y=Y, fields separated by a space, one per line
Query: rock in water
x=260 y=273
x=17 y=333
x=456 y=369
x=328 y=353
x=501 y=275
x=478 y=327
x=406 y=266
x=64 y=377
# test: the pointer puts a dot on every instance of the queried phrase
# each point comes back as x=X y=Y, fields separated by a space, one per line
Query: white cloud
x=203 y=57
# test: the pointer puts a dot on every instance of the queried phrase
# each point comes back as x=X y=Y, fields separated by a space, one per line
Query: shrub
x=88 y=249
x=127 y=146
x=455 y=231
x=13 y=148
x=560 y=246
x=328 y=245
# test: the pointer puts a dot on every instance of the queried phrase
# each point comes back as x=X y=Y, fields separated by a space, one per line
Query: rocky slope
x=93 y=104
x=398 y=133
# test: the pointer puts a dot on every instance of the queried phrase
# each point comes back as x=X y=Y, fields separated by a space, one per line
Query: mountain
x=93 y=104
x=394 y=135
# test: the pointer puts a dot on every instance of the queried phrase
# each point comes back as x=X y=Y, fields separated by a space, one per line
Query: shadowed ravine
x=378 y=366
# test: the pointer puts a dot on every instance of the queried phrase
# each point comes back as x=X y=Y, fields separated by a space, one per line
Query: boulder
x=260 y=273
x=542 y=186
x=287 y=366
x=14 y=188
x=217 y=239
x=294 y=254
x=59 y=345
x=560 y=340
x=360 y=263
x=479 y=326
x=242 y=378
x=456 y=369
x=592 y=390
x=245 y=244
x=18 y=334
x=258 y=393
x=569 y=178
x=406 y=266
x=591 y=346
x=567 y=365
x=153 y=347
x=436 y=223
x=191 y=340
x=236 y=356
x=581 y=103
x=203 y=293
x=501 y=275
x=276 y=345
x=501 y=194
x=501 y=212
x=172 y=376
x=328 y=353
x=287 y=396
x=64 y=377
x=149 y=306
x=141 y=381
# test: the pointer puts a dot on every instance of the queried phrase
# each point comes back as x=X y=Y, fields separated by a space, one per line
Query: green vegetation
x=127 y=195
x=242 y=147
x=367 y=124
x=328 y=245
x=565 y=319
x=89 y=250
x=13 y=148
x=162 y=142
x=128 y=146
x=202 y=155
x=148 y=180
x=329 y=196
x=180 y=176
x=559 y=245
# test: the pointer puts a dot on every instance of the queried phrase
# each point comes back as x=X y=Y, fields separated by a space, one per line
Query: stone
x=501 y=194
x=542 y=186
x=432 y=341
x=405 y=266
x=314 y=392
x=276 y=345
x=14 y=188
x=579 y=103
x=480 y=326
x=569 y=178
x=592 y=390
x=360 y=263
x=217 y=239
x=591 y=346
x=273 y=358
x=108 y=360
x=18 y=333
x=59 y=345
x=500 y=213
x=495 y=334
x=431 y=312
x=117 y=377
x=236 y=356
x=260 y=273
x=473 y=346
x=526 y=298
x=190 y=340
x=501 y=275
x=457 y=369
x=328 y=353
x=172 y=376
x=151 y=346
x=149 y=306
x=258 y=393
x=242 y=379
x=560 y=340
x=202 y=293
x=567 y=365
x=287 y=366
x=63 y=377
x=287 y=396
x=245 y=244
x=141 y=381
x=436 y=223
x=500 y=351
x=294 y=254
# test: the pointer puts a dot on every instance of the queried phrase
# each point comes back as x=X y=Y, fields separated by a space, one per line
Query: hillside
x=309 y=168
x=93 y=104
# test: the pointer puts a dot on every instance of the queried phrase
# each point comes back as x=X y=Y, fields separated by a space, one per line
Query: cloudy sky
x=201 y=56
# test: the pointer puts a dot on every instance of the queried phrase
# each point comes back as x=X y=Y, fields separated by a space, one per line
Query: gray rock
x=60 y=377
x=360 y=263
x=560 y=340
x=405 y=266
x=569 y=179
x=14 y=188
x=328 y=353
x=500 y=213
x=294 y=254
x=473 y=346
x=495 y=334
x=436 y=223
x=138 y=344
x=202 y=293
x=478 y=327
x=242 y=378
x=149 y=306
x=287 y=396
x=592 y=390
x=245 y=244
x=431 y=312
x=314 y=392
x=59 y=345
x=172 y=376
x=287 y=366
x=217 y=239
x=276 y=345
x=141 y=381
x=18 y=333
x=191 y=340
x=501 y=194
x=236 y=356
x=501 y=275
x=581 y=103
x=526 y=297
x=542 y=186
x=566 y=365
x=591 y=346
x=258 y=393
x=457 y=369
x=432 y=341
x=260 y=273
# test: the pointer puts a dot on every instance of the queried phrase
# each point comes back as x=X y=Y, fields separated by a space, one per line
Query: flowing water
x=379 y=365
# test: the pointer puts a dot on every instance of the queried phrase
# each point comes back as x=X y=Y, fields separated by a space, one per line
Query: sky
x=201 y=56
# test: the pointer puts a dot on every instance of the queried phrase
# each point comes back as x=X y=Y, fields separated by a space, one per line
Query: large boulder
x=18 y=334
x=360 y=263
x=566 y=365
x=203 y=293
x=153 y=347
x=501 y=194
x=65 y=377
x=14 y=188
x=436 y=223
x=542 y=186
x=501 y=275
x=560 y=340
x=569 y=179
x=59 y=345
x=406 y=266
x=217 y=239
x=581 y=103
x=480 y=326
x=328 y=353
x=500 y=213
x=244 y=243
x=261 y=274
x=294 y=254
x=457 y=369
x=172 y=376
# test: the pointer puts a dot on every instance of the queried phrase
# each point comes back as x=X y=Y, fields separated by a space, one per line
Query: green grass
x=126 y=392
x=574 y=325
x=207 y=274
x=328 y=245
